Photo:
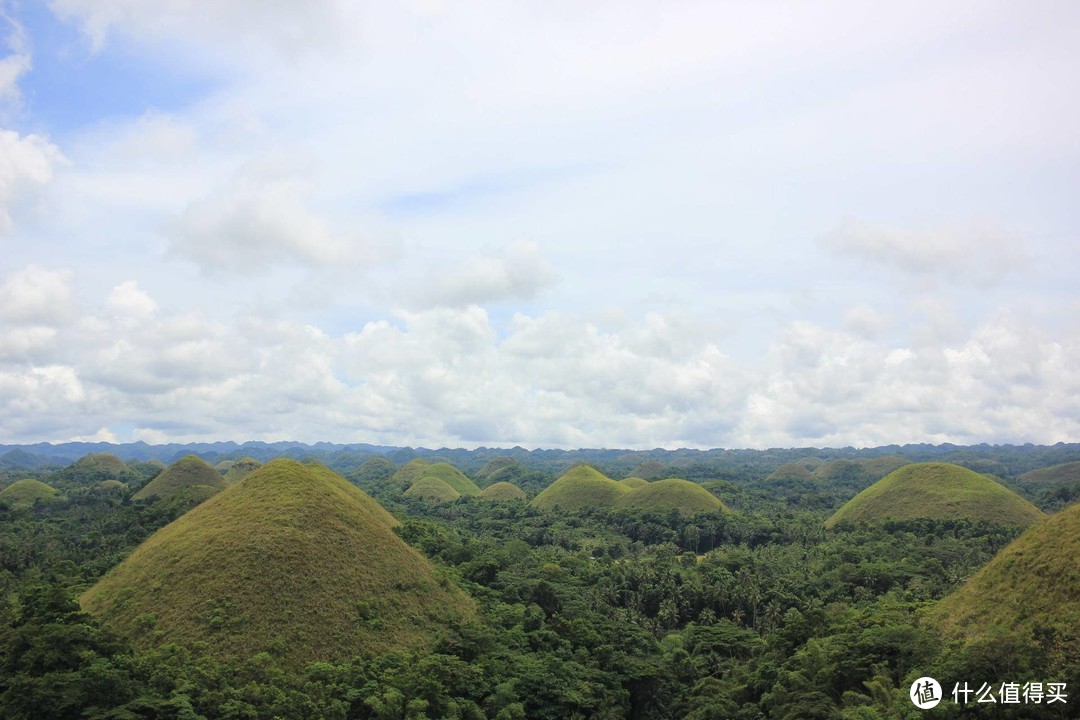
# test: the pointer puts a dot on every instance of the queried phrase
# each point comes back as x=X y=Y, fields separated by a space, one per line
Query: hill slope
x=23 y=494
x=241 y=469
x=937 y=490
x=673 y=494
x=581 y=487
x=188 y=477
x=502 y=492
x=1052 y=477
x=293 y=560
x=790 y=471
x=1033 y=582
x=633 y=482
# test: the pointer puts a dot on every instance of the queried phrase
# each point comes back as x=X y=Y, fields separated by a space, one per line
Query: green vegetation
x=790 y=471
x=375 y=469
x=937 y=490
x=879 y=467
x=241 y=469
x=502 y=492
x=633 y=482
x=23 y=494
x=579 y=488
x=432 y=489
x=410 y=472
x=101 y=463
x=452 y=477
x=293 y=561
x=189 y=477
x=685 y=497
x=1053 y=476
x=111 y=485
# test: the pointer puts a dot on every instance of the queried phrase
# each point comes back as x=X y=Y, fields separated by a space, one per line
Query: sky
x=549 y=224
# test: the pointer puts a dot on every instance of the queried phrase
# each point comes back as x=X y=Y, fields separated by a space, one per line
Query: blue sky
x=631 y=224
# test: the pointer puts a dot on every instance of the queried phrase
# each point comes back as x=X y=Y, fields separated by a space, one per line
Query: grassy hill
x=22 y=494
x=879 y=467
x=649 y=470
x=292 y=560
x=241 y=469
x=790 y=471
x=410 y=472
x=1034 y=582
x=375 y=469
x=189 y=477
x=937 y=490
x=673 y=494
x=1054 y=476
x=502 y=492
x=106 y=485
x=413 y=470
x=633 y=482
x=581 y=487
x=101 y=463
x=432 y=489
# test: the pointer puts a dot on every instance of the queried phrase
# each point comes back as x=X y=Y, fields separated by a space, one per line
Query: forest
x=603 y=611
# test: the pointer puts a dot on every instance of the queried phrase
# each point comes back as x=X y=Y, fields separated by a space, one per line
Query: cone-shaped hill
x=502 y=492
x=937 y=490
x=585 y=487
x=1033 y=582
x=633 y=482
x=23 y=494
x=432 y=489
x=789 y=471
x=190 y=477
x=581 y=487
x=241 y=469
x=413 y=470
x=292 y=560
x=649 y=470
x=90 y=470
x=673 y=494
x=101 y=463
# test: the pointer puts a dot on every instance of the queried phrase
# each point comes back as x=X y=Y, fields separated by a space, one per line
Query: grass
x=585 y=487
x=432 y=489
x=241 y=469
x=1034 y=582
x=502 y=492
x=496 y=465
x=292 y=560
x=101 y=462
x=413 y=470
x=633 y=482
x=673 y=494
x=190 y=476
x=111 y=485
x=649 y=470
x=937 y=490
x=1052 y=477
x=581 y=487
x=22 y=494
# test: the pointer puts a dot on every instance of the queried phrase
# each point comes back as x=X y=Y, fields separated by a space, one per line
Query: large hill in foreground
x=292 y=560
x=937 y=490
x=1033 y=582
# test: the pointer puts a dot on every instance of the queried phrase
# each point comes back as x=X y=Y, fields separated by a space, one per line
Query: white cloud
x=27 y=164
x=978 y=254
x=37 y=295
x=259 y=221
x=14 y=65
x=128 y=301
x=516 y=271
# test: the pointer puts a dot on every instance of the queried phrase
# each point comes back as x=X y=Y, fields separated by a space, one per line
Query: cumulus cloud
x=17 y=62
x=969 y=254
x=257 y=222
x=27 y=164
x=516 y=271
x=37 y=296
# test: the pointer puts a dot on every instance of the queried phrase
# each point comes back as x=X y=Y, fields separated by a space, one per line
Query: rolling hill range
x=789 y=471
x=292 y=560
x=189 y=478
x=1034 y=582
x=937 y=490
x=23 y=494
x=1052 y=477
x=584 y=487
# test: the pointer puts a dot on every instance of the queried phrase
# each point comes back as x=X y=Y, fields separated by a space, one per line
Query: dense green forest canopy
x=599 y=612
